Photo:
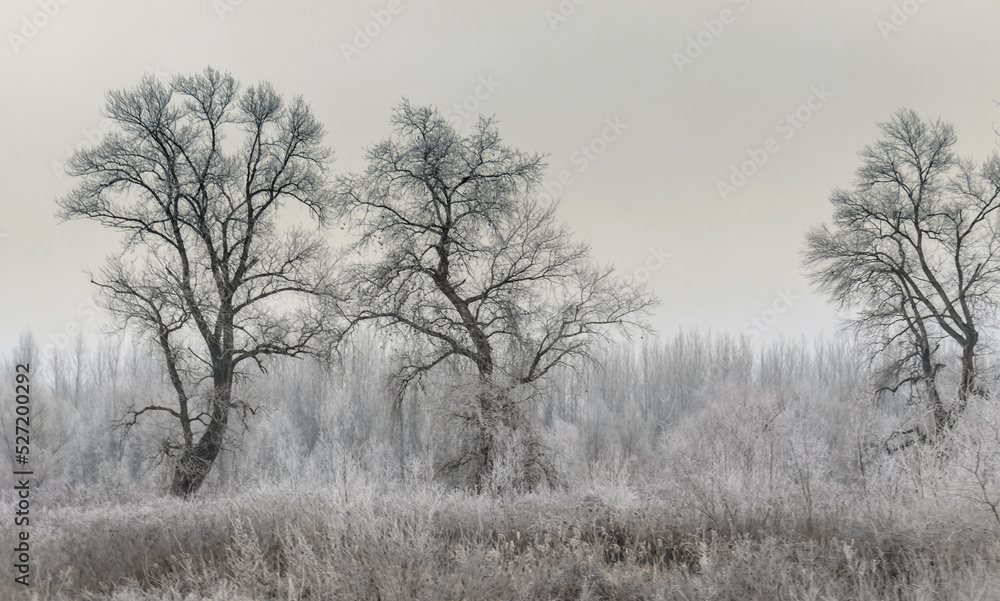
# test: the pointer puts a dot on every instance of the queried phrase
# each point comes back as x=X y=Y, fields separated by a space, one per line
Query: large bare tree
x=477 y=275
x=913 y=251
x=194 y=177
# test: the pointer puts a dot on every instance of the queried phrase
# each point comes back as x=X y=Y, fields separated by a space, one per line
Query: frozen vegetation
x=697 y=467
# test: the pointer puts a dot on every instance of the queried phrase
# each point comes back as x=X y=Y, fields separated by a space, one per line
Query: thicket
x=690 y=465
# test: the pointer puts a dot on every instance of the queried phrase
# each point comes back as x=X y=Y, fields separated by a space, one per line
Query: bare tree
x=208 y=272
x=913 y=250
x=472 y=270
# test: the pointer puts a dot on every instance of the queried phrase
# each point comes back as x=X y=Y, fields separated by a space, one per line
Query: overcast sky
x=643 y=108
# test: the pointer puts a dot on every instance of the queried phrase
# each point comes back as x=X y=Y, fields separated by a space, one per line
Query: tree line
x=457 y=258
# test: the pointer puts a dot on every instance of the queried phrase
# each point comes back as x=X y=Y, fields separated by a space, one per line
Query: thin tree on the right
x=912 y=255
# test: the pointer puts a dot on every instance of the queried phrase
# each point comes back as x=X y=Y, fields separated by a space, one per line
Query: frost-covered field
x=696 y=468
x=419 y=542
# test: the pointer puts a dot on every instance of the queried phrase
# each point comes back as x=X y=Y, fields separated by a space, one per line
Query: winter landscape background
x=671 y=382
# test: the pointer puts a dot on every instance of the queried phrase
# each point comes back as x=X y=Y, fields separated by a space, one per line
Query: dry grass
x=424 y=543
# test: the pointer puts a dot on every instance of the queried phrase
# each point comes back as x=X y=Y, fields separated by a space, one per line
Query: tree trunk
x=930 y=384
x=937 y=406
x=484 y=443
x=969 y=386
x=503 y=428
x=196 y=462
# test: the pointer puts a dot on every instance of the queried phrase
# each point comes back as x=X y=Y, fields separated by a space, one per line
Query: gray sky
x=667 y=98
